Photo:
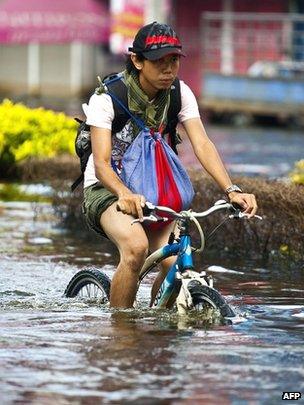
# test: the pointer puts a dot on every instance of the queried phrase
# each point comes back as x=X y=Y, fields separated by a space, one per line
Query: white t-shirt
x=100 y=113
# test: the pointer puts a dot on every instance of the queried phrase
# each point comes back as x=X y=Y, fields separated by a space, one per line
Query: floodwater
x=55 y=350
x=268 y=152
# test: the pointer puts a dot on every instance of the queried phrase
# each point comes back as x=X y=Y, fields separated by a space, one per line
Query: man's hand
x=132 y=204
x=245 y=201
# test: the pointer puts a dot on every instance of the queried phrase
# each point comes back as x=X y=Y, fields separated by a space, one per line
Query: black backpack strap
x=173 y=111
x=83 y=163
x=175 y=102
x=116 y=85
x=78 y=181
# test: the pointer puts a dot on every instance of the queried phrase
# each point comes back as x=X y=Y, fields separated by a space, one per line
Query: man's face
x=158 y=74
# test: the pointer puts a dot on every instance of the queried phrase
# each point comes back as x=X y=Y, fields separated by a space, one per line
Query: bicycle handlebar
x=149 y=210
x=150 y=215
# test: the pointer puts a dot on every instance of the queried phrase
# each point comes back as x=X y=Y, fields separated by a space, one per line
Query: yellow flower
x=27 y=132
x=297 y=175
x=284 y=249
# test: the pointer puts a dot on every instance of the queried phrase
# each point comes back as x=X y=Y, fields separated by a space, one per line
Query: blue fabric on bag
x=139 y=172
x=138 y=167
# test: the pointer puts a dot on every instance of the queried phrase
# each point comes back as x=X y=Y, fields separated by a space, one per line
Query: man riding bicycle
x=151 y=68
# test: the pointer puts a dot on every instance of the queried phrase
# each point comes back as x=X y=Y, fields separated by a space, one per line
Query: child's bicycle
x=184 y=287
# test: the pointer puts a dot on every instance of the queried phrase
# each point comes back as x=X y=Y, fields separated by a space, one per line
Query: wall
x=55 y=70
x=13 y=68
x=186 y=19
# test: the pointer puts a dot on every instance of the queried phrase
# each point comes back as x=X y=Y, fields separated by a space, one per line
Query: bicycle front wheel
x=204 y=297
x=91 y=284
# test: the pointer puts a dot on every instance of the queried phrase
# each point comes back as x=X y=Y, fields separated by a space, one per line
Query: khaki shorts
x=96 y=200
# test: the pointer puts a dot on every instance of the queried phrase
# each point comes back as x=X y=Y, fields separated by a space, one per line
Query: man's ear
x=138 y=64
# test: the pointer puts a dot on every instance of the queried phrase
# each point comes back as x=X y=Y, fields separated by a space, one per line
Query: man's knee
x=134 y=253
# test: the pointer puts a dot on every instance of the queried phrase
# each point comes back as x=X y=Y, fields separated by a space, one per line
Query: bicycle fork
x=184 y=299
x=175 y=285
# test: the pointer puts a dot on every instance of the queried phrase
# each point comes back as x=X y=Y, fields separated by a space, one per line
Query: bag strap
x=120 y=89
x=78 y=181
x=174 y=109
x=175 y=104
x=138 y=121
x=121 y=113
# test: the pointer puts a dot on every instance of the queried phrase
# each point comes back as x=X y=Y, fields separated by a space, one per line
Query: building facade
x=228 y=36
x=51 y=48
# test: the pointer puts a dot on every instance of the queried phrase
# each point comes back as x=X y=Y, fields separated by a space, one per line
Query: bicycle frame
x=175 y=285
x=184 y=261
x=183 y=286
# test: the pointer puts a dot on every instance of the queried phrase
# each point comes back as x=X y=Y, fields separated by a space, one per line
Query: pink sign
x=53 y=21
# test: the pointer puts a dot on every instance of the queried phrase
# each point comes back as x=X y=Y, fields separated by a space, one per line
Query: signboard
x=127 y=16
x=53 y=21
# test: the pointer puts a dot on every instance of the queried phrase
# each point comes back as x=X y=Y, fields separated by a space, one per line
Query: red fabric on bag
x=168 y=194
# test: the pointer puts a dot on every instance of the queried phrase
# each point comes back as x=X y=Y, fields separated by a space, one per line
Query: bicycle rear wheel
x=205 y=297
x=91 y=284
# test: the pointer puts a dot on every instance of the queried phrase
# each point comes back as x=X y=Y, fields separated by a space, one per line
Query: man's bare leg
x=158 y=239
x=161 y=275
x=132 y=243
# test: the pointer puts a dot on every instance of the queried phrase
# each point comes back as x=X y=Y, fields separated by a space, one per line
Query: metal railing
x=233 y=42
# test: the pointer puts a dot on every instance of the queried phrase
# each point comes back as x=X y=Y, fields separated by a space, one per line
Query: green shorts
x=96 y=200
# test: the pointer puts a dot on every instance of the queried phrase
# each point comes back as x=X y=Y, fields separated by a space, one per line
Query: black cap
x=156 y=40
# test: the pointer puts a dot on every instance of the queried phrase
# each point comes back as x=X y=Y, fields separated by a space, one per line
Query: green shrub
x=33 y=132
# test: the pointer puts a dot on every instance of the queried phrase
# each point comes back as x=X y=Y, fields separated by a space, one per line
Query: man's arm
x=128 y=202
x=209 y=158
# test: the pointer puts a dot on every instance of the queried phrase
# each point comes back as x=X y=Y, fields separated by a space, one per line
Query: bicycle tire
x=203 y=295
x=89 y=277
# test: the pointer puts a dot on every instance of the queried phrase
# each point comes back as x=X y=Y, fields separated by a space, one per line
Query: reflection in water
x=269 y=152
x=137 y=358
x=58 y=350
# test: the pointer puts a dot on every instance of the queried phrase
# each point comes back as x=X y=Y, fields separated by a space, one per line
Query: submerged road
x=58 y=350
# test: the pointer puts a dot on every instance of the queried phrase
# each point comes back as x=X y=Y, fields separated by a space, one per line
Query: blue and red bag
x=151 y=168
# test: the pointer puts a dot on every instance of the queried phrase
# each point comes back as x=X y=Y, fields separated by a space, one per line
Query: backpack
x=116 y=85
